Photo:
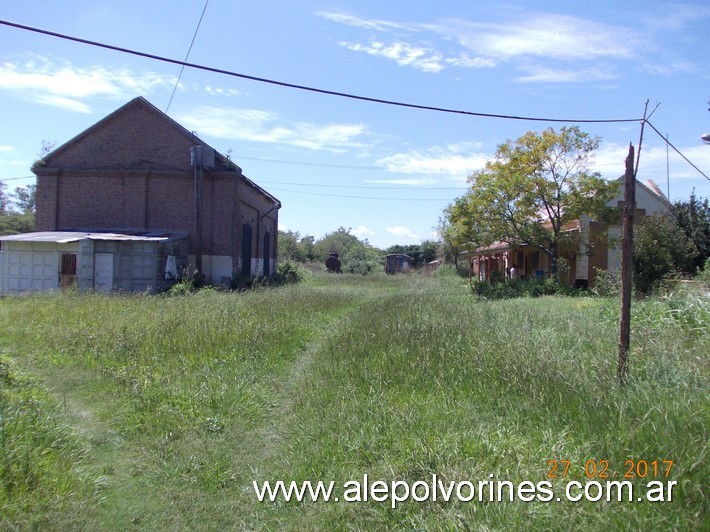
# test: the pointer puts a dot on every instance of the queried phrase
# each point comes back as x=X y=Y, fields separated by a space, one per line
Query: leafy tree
x=661 y=249
x=4 y=199
x=288 y=246
x=530 y=190
x=355 y=255
x=307 y=247
x=340 y=242
x=14 y=222
x=693 y=216
x=462 y=230
x=294 y=247
x=25 y=198
x=429 y=250
x=421 y=254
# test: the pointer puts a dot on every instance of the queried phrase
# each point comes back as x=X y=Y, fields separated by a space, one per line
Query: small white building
x=101 y=261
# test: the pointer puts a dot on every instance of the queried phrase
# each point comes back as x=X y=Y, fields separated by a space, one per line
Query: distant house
x=397 y=263
x=598 y=246
x=133 y=185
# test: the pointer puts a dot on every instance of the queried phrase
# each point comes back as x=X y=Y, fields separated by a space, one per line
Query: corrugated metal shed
x=65 y=237
x=108 y=260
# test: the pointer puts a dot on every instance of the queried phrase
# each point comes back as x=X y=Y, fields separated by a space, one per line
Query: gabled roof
x=650 y=187
x=140 y=103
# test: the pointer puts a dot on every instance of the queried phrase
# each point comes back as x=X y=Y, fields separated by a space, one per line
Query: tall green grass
x=163 y=410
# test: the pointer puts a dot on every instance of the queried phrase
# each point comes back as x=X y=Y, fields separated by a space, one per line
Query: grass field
x=157 y=412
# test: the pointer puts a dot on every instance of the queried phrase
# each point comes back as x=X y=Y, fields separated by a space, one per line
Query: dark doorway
x=246 y=249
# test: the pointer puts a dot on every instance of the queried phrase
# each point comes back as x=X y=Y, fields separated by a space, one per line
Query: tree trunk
x=554 y=255
x=626 y=258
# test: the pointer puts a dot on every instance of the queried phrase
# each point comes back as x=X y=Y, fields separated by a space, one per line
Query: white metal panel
x=614 y=250
x=29 y=271
x=103 y=272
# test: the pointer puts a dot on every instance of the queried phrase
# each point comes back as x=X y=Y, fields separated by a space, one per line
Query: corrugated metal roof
x=65 y=237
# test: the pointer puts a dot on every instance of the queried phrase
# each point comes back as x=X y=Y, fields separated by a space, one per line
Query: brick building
x=137 y=171
x=596 y=246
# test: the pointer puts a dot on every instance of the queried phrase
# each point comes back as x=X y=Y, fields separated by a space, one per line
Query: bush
x=703 y=276
x=607 y=284
x=288 y=273
x=187 y=283
x=513 y=288
x=447 y=270
x=661 y=251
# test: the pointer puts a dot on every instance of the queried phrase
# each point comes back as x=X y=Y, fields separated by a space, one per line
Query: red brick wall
x=132 y=170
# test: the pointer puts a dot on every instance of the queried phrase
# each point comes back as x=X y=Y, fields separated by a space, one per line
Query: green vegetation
x=529 y=192
x=356 y=256
x=693 y=216
x=17 y=210
x=159 y=412
x=662 y=251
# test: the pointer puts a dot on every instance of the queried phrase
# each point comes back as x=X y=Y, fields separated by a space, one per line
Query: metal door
x=103 y=272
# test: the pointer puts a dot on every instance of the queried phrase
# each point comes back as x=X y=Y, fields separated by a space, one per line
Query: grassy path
x=162 y=411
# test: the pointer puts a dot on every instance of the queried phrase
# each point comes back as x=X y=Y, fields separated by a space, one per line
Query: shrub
x=661 y=251
x=186 y=285
x=607 y=284
x=447 y=270
x=288 y=273
x=513 y=288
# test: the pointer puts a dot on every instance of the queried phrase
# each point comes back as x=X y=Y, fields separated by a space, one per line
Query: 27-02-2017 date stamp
x=600 y=469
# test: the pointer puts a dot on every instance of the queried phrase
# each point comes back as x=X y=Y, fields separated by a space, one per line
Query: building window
x=67 y=270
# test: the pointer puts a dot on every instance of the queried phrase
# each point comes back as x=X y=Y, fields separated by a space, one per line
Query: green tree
x=693 y=216
x=307 y=247
x=355 y=255
x=25 y=198
x=530 y=190
x=4 y=199
x=421 y=254
x=661 y=250
x=294 y=247
x=461 y=229
x=15 y=222
x=288 y=246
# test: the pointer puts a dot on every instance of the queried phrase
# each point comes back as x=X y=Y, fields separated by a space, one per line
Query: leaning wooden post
x=626 y=256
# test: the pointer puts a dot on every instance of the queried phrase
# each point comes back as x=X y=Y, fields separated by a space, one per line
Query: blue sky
x=386 y=172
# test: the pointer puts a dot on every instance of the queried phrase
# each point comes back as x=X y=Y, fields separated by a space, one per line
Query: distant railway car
x=398 y=263
x=333 y=263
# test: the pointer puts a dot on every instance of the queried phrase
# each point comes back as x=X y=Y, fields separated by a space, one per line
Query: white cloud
x=456 y=160
x=401 y=231
x=529 y=37
x=359 y=22
x=264 y=126
x=402 y=53
x=542 y=35
x=362 y=231
x=464 y=60
x=560 y=75
x=220 y=91
x=669 y=69
x=412 y=182
x=7 y=149
x=610 y=157
x=68 y=87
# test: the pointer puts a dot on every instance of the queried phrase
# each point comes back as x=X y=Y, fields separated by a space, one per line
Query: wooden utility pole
x=626 y=256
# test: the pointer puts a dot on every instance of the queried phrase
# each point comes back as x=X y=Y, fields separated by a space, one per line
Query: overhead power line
x=668 y=143
x=358 y=197
x=308 y=88
x=182 y=68
x=401 y=187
